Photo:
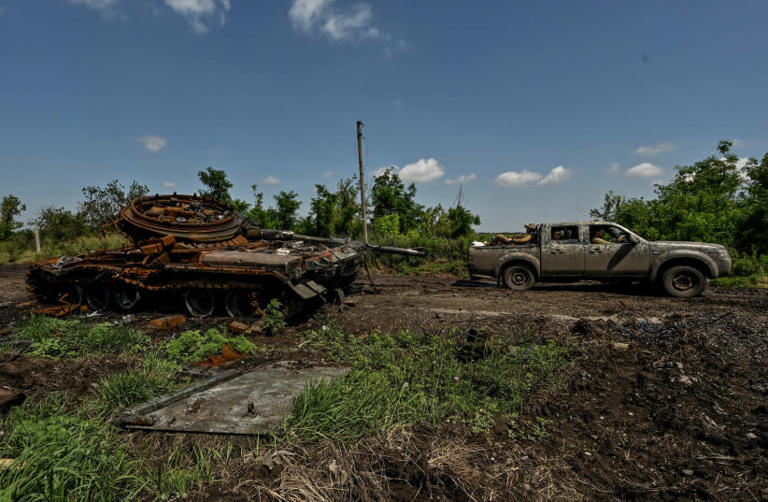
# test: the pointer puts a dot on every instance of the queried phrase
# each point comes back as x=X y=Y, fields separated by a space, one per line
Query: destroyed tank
x=202 y=253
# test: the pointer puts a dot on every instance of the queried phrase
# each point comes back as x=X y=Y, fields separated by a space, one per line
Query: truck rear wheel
x=683 y=281
x=518 y=277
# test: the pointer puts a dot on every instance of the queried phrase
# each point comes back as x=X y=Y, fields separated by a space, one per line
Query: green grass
x=410 y=378
x=154 y=377
x=11 y=251
x=57 y=338
x=749 y=281
x=62 y=456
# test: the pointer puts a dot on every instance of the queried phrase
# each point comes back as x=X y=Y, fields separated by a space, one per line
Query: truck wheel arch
x=709 y=270
x=506 y=261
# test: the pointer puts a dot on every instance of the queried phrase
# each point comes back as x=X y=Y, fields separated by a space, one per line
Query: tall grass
x=60 y=456
x=411 y=378
x=24 y=252
x=154 y=377
x=56 y=338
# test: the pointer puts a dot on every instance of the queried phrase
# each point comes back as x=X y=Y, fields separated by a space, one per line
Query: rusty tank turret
x=203 y=254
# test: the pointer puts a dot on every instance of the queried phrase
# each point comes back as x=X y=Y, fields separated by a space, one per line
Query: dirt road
x=664 y=399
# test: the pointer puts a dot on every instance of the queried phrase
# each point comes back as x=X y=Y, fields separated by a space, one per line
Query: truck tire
x=683 y=281
x=518 y=277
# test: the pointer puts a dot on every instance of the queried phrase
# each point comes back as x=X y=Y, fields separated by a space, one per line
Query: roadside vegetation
x=64 y=447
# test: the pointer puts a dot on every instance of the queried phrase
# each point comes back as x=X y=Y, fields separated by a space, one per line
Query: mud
x=665 y=399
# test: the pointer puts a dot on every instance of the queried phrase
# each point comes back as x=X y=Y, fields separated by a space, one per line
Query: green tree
x=335 y=213
x=102 y=204
x=216 y=183
x=711 y=200
x=607 y=212
x=287 y=207
x=389 y=196
x=59 y=224
x=10 y=208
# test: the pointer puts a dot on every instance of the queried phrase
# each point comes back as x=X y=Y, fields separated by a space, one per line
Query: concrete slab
x=256 y=401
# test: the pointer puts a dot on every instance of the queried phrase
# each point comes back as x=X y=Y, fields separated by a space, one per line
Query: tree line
x=719 y=199
x=333 y=211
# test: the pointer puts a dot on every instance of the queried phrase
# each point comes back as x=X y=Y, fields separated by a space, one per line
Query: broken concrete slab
x=240 y=401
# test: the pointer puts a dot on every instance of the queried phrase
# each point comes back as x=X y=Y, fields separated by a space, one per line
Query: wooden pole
x=37 y=239
x=362 y=178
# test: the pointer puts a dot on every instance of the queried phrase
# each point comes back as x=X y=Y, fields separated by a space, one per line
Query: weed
x=274 y=318
x=56 y=338
x=409 y=378
x=61 y=456
x=192 y=346
x=121 y=390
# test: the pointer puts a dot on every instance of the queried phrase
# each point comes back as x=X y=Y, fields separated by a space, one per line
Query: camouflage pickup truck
x=598 y=251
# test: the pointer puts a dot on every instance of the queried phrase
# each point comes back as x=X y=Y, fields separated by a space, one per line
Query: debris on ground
x=10 y=397
x=168 y=322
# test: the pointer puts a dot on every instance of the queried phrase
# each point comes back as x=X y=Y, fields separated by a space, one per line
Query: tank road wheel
x=199 y=302
x=97 y=296
x=518 y=277
x=683 y=281
x=127 y=296
x=68 y=292
x=239 y=303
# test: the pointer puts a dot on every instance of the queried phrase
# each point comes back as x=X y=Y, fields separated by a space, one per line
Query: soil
x=665 y=399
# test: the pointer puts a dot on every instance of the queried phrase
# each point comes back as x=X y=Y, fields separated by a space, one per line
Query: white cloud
x=644 y=170
x=169 y=184
x=422 y=171
x=517 y=178
x=652 y=150
x=271 y=180
x=614 y=168
x=329 y=174
x=462 y=179
x=200 y=13
x=556 y=175
x=153 y=143
x=306 y=13
x=351 y=24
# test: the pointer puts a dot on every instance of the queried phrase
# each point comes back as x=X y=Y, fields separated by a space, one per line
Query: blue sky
x=539 y=108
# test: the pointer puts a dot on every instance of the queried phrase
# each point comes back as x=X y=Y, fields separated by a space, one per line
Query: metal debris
x=239 y=401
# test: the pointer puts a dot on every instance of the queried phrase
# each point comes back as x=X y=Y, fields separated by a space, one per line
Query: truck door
x=562 y=251
x=615 y=252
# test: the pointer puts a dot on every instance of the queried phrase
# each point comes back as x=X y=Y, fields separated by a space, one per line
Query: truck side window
x=565 y=235
x=606 y=234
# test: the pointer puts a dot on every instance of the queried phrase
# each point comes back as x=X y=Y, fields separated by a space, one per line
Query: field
x=458 y=391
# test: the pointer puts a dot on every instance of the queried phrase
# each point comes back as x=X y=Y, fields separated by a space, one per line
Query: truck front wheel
x=518 y=277
x=683 y=281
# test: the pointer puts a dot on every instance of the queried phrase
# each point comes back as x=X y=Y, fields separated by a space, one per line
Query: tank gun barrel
x=272 y=234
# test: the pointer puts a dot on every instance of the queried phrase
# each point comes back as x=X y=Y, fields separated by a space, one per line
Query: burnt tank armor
x=203 y=252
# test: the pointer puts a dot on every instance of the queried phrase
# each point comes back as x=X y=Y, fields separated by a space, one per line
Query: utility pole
x=362 y=178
